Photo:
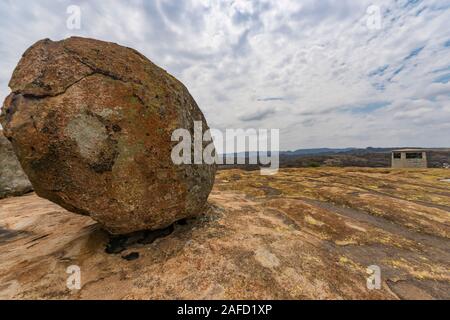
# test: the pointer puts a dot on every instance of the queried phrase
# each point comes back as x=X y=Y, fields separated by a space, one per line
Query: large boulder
x=91 y=123
x=13 y=181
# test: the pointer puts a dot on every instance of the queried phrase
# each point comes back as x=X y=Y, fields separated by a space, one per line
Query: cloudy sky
x=326 y=73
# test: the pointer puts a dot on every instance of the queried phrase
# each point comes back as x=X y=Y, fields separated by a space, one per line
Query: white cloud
x=317 y=60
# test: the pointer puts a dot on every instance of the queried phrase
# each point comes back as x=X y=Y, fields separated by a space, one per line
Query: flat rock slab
x=299 y=243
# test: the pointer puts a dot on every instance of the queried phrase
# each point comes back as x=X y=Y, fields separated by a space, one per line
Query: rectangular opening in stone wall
x=414 y=155
x=397 y=155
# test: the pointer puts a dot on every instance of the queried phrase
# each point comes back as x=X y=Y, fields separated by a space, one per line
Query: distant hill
x=334 y=151
x=318 y=151
x=315 y=151
x=340 y=157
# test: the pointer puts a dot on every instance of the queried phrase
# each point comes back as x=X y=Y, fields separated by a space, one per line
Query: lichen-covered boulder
x=13 y=181
x=91 y=124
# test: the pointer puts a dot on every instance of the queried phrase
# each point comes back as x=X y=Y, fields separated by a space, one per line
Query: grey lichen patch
x=266 y=258
x=94 y=142
x=90 y=135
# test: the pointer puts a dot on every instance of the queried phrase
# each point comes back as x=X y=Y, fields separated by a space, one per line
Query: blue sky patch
x=443 y=79
x=378 y=71
x=414 y=53
x=370 y=107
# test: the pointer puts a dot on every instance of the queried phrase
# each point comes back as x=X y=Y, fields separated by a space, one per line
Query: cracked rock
x=91 y=123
